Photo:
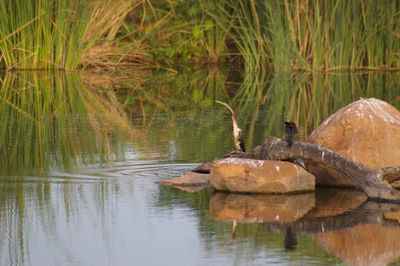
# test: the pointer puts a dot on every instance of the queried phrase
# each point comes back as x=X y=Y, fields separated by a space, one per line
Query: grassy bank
x=320 y=35
x=311 y=35
x=65 y=34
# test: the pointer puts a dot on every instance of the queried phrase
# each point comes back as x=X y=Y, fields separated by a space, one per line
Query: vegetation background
x=63 y=119
x=310 y=35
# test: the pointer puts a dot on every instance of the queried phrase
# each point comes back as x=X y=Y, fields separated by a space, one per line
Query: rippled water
x=79 y=165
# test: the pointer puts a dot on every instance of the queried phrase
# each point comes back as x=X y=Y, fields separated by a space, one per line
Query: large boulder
x=366 y=131
x=259 y=176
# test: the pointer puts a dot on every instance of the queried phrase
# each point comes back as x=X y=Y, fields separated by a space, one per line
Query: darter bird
x=290 y=132
x=238 y=138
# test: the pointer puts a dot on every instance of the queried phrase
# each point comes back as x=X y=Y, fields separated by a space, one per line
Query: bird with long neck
x=238 y=138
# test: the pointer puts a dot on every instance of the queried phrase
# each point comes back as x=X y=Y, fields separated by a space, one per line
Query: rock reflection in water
x=364 y=244
x=360 y=236
x=343 y=222
x=331 y=202
x=367 y=235
x=260 y=208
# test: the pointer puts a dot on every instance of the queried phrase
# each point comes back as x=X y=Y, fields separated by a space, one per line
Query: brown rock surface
x=259 y=176
x=260 y=208
x=366 y=131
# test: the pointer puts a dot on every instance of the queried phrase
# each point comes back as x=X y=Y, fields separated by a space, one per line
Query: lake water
x=80 y=153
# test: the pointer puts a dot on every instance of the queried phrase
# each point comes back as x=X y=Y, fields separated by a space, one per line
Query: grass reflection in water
x=80 y=154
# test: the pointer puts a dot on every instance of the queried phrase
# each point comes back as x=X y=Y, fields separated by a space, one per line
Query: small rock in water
x=190 y=182
x=259 y=176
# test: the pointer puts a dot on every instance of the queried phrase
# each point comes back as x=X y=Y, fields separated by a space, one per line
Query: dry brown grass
x=107 y=20
x=113 y=56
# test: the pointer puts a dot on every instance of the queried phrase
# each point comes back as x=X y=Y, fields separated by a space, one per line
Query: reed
x=247 y=33
x=61 y=34
x=317 y=35
x=310 y=35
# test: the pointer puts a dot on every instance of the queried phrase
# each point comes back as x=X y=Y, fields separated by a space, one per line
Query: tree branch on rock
x=374 y=182
x=377 y=184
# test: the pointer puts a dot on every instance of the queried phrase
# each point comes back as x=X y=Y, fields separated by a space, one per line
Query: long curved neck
x=237 y=132
x=234 y=122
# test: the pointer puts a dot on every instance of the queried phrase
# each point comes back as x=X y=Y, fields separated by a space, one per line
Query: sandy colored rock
x=259 y=176
x=366 y=131
x=260 y=208
x=190 y=181
x=367 y=244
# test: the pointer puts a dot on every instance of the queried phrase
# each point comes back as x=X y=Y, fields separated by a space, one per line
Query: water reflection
x=264 y=102
x=49 y=119
x=343 y=222
x=80 y=154
x=260 y=208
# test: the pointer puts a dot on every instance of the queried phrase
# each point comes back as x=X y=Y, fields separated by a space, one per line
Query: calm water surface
x=81 y=152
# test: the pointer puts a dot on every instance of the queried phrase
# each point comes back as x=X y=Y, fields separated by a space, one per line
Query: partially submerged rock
x=259 y=176
x=260 y=208
x=190 y=182
x=366 y=131
x=203 y=168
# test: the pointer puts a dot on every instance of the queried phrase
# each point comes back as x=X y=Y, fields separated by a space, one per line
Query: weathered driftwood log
x=375 y=183
x=378 y=184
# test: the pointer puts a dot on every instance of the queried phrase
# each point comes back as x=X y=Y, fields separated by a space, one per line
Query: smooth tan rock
x=366 y=131
x=260 y=208
x=259 y=176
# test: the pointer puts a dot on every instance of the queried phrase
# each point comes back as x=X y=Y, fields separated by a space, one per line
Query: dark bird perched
x=238 y=138
x=290 y=132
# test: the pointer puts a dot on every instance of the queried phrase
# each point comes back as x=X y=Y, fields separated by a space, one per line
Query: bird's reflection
x=290 y=239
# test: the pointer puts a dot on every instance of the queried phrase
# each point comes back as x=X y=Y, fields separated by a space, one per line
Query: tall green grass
x=317 y=35
x=58 y=34
x=311 y=35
